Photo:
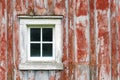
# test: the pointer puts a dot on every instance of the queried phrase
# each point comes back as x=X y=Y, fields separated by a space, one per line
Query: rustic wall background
x=91 y=38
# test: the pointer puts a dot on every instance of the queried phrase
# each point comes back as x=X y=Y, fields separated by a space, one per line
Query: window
x=40 y=42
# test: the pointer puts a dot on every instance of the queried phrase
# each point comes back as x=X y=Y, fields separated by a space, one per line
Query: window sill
x=41 y=66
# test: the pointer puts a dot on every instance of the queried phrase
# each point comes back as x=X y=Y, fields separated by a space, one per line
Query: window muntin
x=41 y=42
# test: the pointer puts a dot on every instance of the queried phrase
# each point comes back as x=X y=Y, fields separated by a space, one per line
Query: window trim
x=28 y=64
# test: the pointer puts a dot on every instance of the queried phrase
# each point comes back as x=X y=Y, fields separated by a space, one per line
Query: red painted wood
x=82 y=41
x=91 y=38
x=118 y=39
x=3 y=42
x=40 y=7
x=71 y=39
x=103 y=41
x=10 y=68
x=113 y=40
x=93 y=57
x=59 y=9
x=81 y=7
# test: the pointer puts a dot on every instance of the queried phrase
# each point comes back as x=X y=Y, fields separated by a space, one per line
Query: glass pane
x=47 y=50
x=47 y=34
x=35 y=34
x=35 y=50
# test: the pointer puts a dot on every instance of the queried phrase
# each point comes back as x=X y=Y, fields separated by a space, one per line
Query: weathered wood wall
x=91 y=38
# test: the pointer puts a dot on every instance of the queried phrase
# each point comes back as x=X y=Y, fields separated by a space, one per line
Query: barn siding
x=91 y=39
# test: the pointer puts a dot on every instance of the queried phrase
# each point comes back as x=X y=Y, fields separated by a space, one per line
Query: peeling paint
x=91 y=39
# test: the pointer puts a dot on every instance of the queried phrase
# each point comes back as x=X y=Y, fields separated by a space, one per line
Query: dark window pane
x=35 y=50
x=47 y=50
x=35 y=34
x=47 y=34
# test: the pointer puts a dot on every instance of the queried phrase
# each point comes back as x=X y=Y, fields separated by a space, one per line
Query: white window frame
x=28 y=63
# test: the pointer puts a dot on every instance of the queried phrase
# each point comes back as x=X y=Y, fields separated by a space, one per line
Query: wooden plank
x=103 y=39
x=62 y=9
x=82 y=37
x=10 y=72
x=71 y=40
x=93 y=65
x=3 y=41
x=19 y=7
x=118 y=38
x=113 y=40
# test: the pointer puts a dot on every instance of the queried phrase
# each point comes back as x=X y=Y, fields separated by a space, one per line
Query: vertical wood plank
x=118 y=38
x=3 y=41
x=71 y=39
x=10 y=72
x=103 y=39
x=19 y=7
x=61 y=8
x=93 y=66
x=113 y=40
x=82 y=35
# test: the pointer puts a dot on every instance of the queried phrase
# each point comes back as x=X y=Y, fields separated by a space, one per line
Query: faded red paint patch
x=31 y=5
x=82 y=7
x=2 y=4
x=93 y=56
x=40 y=11
x=119 y=44
x=52 y=78
x=18 y=5
x=40 y=8
x=113 y=40
x=81 y=55
x=51 y=7
x=3 y=47
x=81 y=43
x=118 y=18
x=102 y=24
x=60 y=8
x=102 y=4
x=103 y=40
x=2 y=73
